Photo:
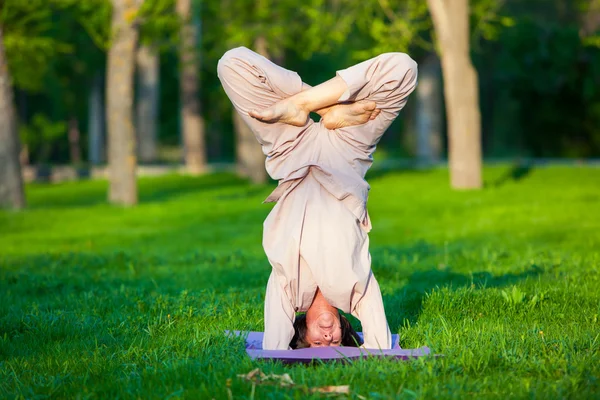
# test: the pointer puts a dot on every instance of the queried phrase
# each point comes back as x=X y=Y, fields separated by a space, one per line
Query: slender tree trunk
x=250 y=162
x=192 y=122
x=429 y=123
x=147 y=103
x=249 y=156
x=590 y=21
x=408 y=137
x=215 y=135
x=24 y=155
x=11 y=181
x=74 y=140
x=461 y=91
x=21 y=115
x=96 y=123
x=119 y=89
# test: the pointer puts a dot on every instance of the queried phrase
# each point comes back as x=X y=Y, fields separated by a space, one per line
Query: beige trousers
x=317 y=233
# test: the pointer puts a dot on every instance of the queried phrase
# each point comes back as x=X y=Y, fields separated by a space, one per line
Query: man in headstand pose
x=316 y=236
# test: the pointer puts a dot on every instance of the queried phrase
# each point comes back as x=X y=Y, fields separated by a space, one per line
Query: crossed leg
x=321 y=98
x=377 y=89
x=351 y=114
x=251 y=81
x=262 y=91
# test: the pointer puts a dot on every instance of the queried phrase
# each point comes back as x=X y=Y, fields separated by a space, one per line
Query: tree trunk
x=21 y=115
x=24 y=155
x=214 y=134
x=147 y=103
x=249 y=156
x=74 y=140
x=96 y=123
x=250 y=159
x=451 y=24
x=590 y=19
x=11 y=181
x=428 y=119
x=119 y=89
x=192 y=122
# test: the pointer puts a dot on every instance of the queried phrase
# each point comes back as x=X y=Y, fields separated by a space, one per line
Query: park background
x=99 y=300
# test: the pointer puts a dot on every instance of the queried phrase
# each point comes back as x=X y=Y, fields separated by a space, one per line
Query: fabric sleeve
x=252 y=81
x=371 y=314
x=279 y=317
x=388 y=80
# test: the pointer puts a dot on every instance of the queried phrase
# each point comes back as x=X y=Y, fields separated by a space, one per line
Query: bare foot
x=344 y=115
x=284 y=111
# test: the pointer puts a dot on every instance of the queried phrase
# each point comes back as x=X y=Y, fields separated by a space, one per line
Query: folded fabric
x=255 y=351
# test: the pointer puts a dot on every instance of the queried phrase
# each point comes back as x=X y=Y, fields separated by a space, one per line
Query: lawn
x=103 y=302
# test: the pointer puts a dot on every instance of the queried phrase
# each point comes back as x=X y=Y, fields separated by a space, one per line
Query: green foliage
x=105 y=302
x=395 y=25
x=539 y=69
x=553 y=83
x=29 y=48
x=305 y=28
x=39 y=32
x=159 y=25
x=487 y=20
x=40 y=135
x=50 y=54
x=240 y=23
x=94 y=17
x=325 y=27
x=590 y=15
x=592 y=41
x=405 y=25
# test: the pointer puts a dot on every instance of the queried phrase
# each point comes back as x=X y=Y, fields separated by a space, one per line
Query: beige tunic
x=317 y=233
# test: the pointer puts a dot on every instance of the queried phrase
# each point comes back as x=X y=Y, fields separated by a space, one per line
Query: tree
x=404 y=25
x=429 y=115
x=94 y=16
x=147 y=103
x=68 y=79
x=590 y=20
x=159 y=32
x=461 y=91
x=74 y=136
x=25 y=52
x=96 y=121
x=121 y=133
x=11 y=181
x=52 y=61
x=192 y=121
x=249 y=157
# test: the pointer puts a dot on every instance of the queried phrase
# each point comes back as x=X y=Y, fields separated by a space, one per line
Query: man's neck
x=320 y=304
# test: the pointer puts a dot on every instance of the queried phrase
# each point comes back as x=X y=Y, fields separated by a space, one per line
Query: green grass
x=98 y=301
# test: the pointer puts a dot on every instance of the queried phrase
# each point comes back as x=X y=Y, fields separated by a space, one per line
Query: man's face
x=324 y=330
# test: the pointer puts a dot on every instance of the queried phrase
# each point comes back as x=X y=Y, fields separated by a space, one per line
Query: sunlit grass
x=99 y=301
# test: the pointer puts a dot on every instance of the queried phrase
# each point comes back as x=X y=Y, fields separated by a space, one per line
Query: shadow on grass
x=163 y=188
x=150 y=190
x=382 y=172
x=38 y=276
x=516 y=173
x=407 y=303
x=157 y=190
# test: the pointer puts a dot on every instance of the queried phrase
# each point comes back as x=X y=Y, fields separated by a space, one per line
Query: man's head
x=323 y=329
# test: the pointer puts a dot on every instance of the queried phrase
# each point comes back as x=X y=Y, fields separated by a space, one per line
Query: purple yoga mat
x=255 y=351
